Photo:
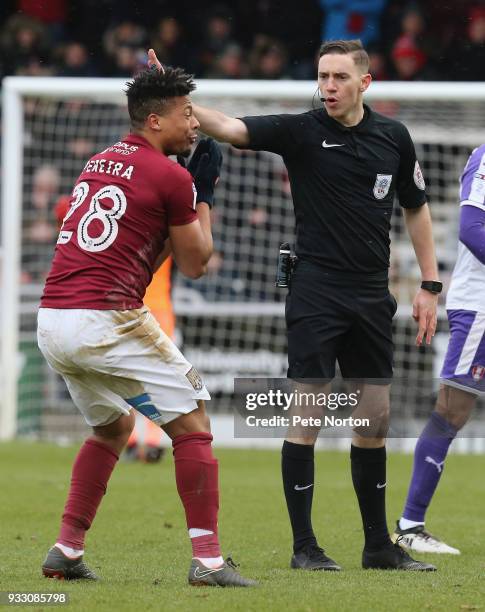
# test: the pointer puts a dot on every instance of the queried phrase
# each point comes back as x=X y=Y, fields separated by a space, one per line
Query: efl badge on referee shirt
x=194 y=379
x=478 y=372
x=418 y=177
x=381 y=186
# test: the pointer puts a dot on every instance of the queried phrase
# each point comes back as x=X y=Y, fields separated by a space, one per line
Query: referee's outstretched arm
x=418 y=224
x=221 y=127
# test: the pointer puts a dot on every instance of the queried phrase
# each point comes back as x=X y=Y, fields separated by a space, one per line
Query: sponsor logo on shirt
x=121 y=148
x=382 y=185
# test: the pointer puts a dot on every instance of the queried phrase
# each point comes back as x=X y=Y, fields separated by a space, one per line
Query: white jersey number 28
x=108 y=217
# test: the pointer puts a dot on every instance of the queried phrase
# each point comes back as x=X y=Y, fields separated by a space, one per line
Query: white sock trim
x=72 y=553
x=405 y=523
x=195 y=532
x=211 y=562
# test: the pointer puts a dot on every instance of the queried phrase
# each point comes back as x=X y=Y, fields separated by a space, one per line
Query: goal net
x=230 y=323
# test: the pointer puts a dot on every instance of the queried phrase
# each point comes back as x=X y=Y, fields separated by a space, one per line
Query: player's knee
x=455 y=406
x=455 y=416
x=192 y=422
x=117 y=432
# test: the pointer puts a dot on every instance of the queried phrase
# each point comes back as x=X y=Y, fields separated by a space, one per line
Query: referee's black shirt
x=343 y=181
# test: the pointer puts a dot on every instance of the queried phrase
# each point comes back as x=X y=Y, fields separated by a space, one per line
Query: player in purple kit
x=130 y=207
x=463 y=373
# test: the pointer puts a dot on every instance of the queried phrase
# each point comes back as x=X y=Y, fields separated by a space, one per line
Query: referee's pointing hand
x=153 y=61
x=424 y=312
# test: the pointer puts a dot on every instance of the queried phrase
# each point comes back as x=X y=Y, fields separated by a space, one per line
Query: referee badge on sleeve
x=418 y=177
x=382 y=185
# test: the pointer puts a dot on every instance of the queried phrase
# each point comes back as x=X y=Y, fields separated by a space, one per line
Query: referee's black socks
x=369 y=477
x=298 y=470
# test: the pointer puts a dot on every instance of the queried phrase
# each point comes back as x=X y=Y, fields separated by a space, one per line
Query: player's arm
x=411 y=189
x=472 y=205
x=418 y=224
x=192 y=243
x=167 y=249
x=472 y=230
x=212 y=122
x=221 y=126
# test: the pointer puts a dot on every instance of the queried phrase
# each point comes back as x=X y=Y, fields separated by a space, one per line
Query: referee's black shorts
x=329 y=319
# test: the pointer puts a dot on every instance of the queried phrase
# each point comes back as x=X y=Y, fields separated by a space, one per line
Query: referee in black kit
x=345 y=164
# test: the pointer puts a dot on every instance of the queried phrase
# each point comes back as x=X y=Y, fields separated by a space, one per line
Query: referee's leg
x=368 y=463
x=368 y=355
x=298 y=472
x=315 y=321
x=297 y=460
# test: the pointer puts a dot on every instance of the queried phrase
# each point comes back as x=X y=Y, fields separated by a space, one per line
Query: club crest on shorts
x=478 y=372
x=418 y=177
x=195 y=379
x=382 y=185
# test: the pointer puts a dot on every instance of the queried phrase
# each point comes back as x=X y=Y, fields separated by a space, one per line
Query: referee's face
x=342 y=83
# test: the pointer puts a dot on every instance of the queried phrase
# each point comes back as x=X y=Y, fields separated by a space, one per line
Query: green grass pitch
x=139 y=546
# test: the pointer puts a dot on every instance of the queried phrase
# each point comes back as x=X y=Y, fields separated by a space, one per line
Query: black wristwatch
x=432 y=286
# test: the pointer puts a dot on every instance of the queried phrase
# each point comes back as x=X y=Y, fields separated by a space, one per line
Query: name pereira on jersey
x=108 y=166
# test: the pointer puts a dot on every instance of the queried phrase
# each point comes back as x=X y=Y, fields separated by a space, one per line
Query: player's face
x=341 y=82
x=179 y=127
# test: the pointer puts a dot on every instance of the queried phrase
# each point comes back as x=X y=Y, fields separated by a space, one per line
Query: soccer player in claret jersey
x=463 y=373
x=130 y=207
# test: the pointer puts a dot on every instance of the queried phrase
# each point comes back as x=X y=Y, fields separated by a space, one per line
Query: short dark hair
x=150 y=90
x=344 y=47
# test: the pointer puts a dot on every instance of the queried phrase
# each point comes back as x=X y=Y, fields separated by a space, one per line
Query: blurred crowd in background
x=258 y=39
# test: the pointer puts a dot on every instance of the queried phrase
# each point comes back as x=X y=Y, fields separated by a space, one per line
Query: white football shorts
x=115 y=360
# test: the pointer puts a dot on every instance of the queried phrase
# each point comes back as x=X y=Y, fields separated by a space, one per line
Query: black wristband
x=432 y=286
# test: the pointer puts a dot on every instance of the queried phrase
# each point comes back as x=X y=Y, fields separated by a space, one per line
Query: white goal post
x=463 y=122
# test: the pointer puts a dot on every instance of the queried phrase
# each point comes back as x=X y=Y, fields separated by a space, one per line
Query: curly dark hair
x=151 y=90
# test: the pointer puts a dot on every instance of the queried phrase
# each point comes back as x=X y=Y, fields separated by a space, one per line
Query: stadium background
x=230 y=322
